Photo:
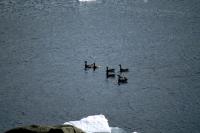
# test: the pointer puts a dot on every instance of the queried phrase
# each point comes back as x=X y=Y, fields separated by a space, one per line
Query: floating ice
x=92 y=124
x=95 y=124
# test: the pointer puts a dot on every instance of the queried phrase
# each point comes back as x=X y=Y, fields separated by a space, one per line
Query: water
x=43 y=46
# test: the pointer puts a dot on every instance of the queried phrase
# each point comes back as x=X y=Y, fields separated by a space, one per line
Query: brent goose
x=110 y=75
x=94 y=66
x=122 y=69
x=88 y=66
x=109 y=70
x=122 y=79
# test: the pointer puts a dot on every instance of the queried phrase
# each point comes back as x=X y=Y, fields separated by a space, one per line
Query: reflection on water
x=43 y=46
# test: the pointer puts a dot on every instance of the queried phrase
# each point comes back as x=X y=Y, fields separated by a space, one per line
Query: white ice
x=92 y=124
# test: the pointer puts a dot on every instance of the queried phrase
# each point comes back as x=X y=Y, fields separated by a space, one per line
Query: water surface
x=43 y=46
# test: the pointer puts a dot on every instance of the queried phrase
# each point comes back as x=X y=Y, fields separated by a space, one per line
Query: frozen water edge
x=95 y=124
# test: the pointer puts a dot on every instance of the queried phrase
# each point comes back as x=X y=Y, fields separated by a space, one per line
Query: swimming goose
x=109 y=70
x=94 y=66
x=110 y=74
x=122 y=69
x=88 y=66
x=122 y=79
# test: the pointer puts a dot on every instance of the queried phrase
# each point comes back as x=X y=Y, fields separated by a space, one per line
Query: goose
x=110 y=74
x=88 y=66
x=122 y=79
x=94 y=66
x=122 y=69
x=109 y=70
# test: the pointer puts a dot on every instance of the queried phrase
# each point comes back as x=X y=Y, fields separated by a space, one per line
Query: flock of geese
x=110 y=72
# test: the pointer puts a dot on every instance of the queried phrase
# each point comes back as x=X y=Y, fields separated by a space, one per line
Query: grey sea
x=44 y=43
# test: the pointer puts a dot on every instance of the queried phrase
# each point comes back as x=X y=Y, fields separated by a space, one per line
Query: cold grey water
x=44 y=43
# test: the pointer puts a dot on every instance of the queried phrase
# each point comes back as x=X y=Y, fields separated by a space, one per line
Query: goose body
x=109 y=70
x=94 y=66
x=88 y=65
x=122 y=69
x=110 y=75
x=122 y=79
